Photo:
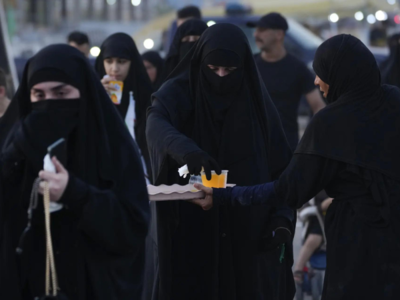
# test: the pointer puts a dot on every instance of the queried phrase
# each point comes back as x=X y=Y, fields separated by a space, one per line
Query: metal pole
x=7 y=46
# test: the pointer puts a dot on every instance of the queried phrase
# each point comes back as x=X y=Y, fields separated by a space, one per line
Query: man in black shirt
x=285 y=77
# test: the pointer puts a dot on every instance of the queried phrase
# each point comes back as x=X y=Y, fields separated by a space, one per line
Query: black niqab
x=103 y=161
x=390 y=68
x=218 y=48
x=157 y=61
x=178 y=49
x=362 y=114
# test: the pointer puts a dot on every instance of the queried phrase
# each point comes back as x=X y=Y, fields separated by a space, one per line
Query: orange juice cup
x=217 y=181
x=116 y=96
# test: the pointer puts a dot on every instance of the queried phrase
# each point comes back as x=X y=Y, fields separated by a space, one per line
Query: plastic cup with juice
x=217 y=181
x=116 y=95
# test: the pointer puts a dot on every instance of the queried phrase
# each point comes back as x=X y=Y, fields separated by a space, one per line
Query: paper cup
x=217 y=181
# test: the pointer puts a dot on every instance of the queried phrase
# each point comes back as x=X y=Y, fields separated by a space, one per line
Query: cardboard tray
x=175 y=192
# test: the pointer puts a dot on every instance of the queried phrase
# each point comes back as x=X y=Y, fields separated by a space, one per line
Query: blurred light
x=211 y=23
x=136 y=2
x=391 y=2
x=333 y=17
x=148 y=44
x=111 y=2
x=95 y=51
x=371 y=19
x=380 y=15
x=397 y=19
x=359 y=16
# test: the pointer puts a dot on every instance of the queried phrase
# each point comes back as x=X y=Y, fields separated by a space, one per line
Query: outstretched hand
x=207 y=202
x=57 y=181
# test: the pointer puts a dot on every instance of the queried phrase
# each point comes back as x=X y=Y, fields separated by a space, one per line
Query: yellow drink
x=116 y=96
x=217 y=181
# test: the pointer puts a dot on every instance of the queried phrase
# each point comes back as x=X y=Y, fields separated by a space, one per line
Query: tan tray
x=175 y=192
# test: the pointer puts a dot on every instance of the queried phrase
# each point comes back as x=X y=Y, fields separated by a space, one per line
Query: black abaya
x=98 y=236
x=350 y=149
x=216 y=254
x=157 y=61
x=122 y=45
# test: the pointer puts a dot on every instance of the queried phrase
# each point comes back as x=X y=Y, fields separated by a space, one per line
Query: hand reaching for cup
x=207 y=202
x=196 y=161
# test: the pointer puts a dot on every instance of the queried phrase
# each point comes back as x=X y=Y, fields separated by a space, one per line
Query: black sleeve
x=164 y=137
x=108 y=218
x=305 y=176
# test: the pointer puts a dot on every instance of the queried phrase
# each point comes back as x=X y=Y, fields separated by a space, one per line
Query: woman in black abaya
x=351 y=149
x=185 y=37
x=206 y=120
x=390 y=68
x=154 y=65
x=99 y=234
x=120 y=60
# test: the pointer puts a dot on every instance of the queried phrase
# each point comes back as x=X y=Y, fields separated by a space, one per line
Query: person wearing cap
x=286 y=78
x=187 y=13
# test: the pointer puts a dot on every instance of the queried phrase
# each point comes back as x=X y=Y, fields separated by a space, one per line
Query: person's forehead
x=49 y=85
x=115 y=58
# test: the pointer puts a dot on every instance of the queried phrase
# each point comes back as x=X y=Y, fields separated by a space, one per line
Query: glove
x=200 y=159
x=278 y=233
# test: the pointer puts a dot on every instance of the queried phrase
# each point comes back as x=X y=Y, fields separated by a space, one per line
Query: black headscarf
x=93 y=114
x=178 y=50
x=219 y=104
x=122 y=45
x=361 y=124
x=157 y=61
x=390 y=68
x=100 y=148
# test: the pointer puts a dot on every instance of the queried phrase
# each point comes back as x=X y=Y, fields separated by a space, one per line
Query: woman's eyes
x=122 y=61
x=39 y=95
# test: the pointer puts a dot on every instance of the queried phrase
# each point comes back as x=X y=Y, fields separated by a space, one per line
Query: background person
x=187 y=13
x=154 y=65
x=80 y=41
x=286 y=78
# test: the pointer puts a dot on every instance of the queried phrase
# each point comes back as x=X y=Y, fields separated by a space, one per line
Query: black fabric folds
x=157 y=61
x=122 y=45
x=233 y=119
x=178 y=50
x=362 y=114
x=98 y=236
x=390 y=68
